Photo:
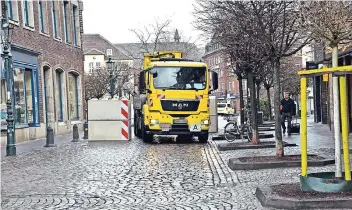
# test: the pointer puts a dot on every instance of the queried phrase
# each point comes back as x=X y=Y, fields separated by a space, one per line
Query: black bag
x=295 y=127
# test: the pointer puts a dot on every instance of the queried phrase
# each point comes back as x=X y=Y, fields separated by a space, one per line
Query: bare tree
x=160 y=37
x=290 y=80
x=124 y=75
x=230 y=25
x=268 y=84
x=282 y=35
x=330 y=22
x=272 y=25
x=152 y=35
x=96 y=84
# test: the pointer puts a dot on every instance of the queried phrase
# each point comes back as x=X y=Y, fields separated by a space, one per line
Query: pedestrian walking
x=287 y=110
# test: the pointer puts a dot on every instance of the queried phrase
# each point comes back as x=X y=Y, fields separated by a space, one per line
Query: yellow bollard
x=304 y=126
x=344 y=120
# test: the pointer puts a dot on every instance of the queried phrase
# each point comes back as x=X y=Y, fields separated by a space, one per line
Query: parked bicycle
x=233 y=131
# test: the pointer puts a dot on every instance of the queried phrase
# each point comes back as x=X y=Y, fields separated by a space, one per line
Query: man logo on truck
x=180 y=105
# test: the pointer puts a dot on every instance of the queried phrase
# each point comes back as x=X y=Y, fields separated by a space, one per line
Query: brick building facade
x=48 y=66
x=228 y=83
x=323 y=89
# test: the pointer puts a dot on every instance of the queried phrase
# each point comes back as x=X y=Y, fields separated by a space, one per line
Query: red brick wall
x=53 y=53
x=226 y=75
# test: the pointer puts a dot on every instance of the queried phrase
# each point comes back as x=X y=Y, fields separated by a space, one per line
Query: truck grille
x=180 y=127
x=173 y=105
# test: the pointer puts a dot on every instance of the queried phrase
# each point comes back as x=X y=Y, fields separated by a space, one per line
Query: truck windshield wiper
x=196 y=89
x=167 y=88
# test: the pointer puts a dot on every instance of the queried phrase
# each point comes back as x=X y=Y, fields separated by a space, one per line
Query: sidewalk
x=318 y=135
x=38 y=144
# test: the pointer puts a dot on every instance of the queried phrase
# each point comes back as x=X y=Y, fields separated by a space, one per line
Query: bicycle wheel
x=249 y=133
x=231 y=131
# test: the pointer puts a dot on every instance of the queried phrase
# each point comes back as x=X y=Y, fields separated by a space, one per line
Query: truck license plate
x=195 y=128
x=180 y=121
x=165 y=127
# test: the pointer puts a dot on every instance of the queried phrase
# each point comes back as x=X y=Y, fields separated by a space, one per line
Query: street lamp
x=6 y=32
x=110 y=64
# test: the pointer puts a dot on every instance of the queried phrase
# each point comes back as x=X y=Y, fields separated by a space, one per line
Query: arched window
x=73 y=96
x=59 y=94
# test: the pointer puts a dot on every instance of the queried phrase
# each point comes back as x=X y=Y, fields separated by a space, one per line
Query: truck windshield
x=221 y=105
x=179 y=78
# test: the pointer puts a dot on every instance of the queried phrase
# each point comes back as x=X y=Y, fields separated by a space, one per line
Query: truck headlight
x=153 y=121
x=205 y=122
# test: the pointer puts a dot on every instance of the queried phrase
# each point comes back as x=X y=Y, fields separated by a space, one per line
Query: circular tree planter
x=324 y=182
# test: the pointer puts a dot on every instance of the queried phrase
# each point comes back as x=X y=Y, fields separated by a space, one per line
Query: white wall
x=307 y=55
x=92 y=58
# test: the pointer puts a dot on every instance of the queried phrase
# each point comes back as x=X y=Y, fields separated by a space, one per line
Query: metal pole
x=111 y=84
x=346 y=155
x=5 y=26
x=304 y=167
x=335 y=80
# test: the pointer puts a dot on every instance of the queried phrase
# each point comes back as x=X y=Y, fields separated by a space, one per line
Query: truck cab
x=225 y=108
x=174 y=97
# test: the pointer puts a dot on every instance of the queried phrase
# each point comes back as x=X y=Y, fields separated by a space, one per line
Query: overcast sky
x=114 y=18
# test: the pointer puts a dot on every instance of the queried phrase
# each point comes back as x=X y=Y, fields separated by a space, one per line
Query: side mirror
x=214 y=79
x=141 y=81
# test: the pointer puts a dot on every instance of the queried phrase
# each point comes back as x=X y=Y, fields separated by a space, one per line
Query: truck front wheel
x=147 y=138
x=203 y=138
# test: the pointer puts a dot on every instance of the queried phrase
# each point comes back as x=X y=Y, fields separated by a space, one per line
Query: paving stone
x=134 y=175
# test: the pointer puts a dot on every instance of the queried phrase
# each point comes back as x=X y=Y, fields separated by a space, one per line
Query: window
x=97 y=65
x=28 y=15
x=74 y=24
x=109 y=52
x=65 y=5
x=91 y=67
x=73 y=96
x=244 y=84
x=13 y=10
x=41 y=16
x=25 y=93
x=59 y=76
x=54 y=19
x=9 y=7
x=179 y=78
x=229 y=88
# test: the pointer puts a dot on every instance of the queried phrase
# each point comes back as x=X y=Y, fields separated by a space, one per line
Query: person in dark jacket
x=287 y=110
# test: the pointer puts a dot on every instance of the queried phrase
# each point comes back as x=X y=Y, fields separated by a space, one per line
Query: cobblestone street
x=134 y=175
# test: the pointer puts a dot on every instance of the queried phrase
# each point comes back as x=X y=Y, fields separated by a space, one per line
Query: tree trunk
x=240 y=80
x=269 y=103
x=337 y=134
x=278 y=132
x=257 y=96
x=251 y=84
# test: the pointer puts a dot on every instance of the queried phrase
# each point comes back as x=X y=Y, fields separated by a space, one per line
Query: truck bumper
x=175 y=132
x=161 y=124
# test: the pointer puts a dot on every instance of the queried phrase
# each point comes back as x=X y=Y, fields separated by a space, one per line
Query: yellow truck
x=173 y=97
x=224 y=108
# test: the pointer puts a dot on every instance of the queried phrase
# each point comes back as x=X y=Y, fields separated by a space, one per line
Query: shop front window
x=73 y=96
x=59 y=95
x=3 y=108
x=25 y=91
x=20 y=103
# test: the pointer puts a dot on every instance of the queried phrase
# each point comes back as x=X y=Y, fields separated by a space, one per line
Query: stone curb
x=236 y=164
x=266 y=129
x=239 y=146
x=268 y=199
x=261 y=136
